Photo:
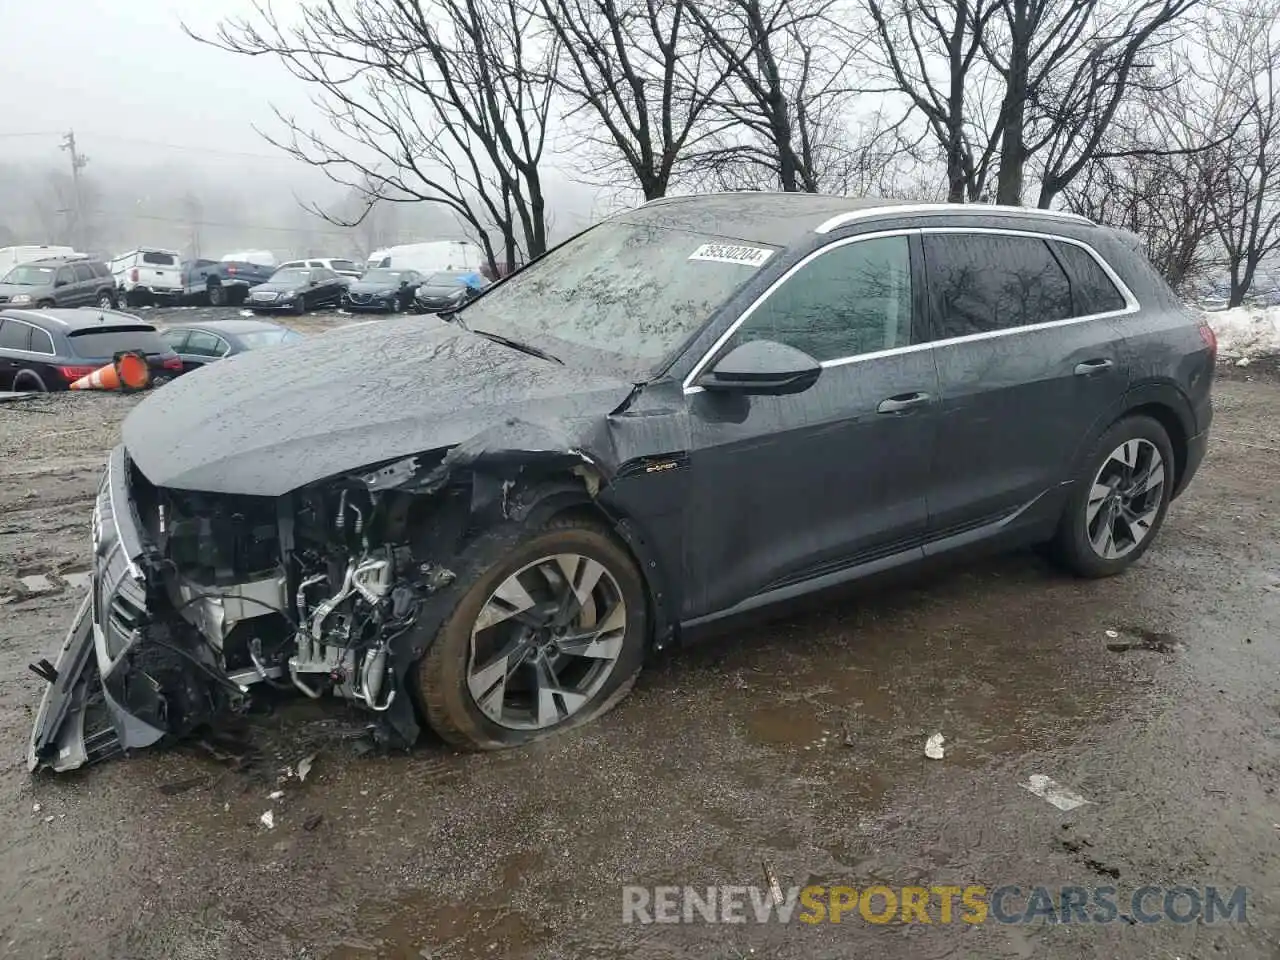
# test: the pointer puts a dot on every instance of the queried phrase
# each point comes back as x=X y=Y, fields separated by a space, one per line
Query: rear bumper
x=1197 y=447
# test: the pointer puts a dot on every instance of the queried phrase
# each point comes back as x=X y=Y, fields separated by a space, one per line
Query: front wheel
x=1119 y=501
x=217 y=296
x=548 y=637
x=107 y=300
x=300 y=307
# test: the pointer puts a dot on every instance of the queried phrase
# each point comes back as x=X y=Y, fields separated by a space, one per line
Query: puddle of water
x=420 y=925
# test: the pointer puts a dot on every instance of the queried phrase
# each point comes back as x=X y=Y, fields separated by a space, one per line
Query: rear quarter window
x=1091 y=289
x=100 y=269
x=160 y=259
x=106 y=343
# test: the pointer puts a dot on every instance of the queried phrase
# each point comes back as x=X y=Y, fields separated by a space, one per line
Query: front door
x=1030 y=358
x=787 y=488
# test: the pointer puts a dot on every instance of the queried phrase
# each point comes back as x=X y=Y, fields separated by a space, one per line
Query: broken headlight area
x=200 y=599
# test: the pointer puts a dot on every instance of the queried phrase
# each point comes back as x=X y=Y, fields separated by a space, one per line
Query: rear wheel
x=28 y=381
x=106 y=300
x=217 y=296
x=549 y=637
x=45 y=305
x=1120 y=500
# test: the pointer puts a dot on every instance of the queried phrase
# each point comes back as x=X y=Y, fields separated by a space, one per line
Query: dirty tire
x=300 y=307
x=217 y=296
x=442 y=675
x=45 y=305
x=106 y=300
x=28 y=381
x=1071 y=546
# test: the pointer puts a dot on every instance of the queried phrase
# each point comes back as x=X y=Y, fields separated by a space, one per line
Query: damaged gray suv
x=486 y=522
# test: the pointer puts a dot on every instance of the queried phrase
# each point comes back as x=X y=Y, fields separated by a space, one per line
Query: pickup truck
x=147 y=275
x=222 y=282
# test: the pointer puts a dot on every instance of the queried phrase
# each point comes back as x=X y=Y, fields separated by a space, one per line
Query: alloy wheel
x=545 y=641
x=1125 y=499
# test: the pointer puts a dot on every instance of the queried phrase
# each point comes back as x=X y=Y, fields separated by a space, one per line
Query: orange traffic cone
x=127 y=372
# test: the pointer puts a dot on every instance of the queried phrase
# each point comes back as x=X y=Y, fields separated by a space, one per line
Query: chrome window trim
x=31 y=326
x=961 y=209
x=1131 y=302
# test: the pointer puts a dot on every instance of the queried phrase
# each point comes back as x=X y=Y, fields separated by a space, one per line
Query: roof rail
x=961 y=209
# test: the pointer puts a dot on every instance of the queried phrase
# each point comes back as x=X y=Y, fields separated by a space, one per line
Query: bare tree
x=784 y=96
x=639 y=75
x=442 y=101
x=1069 y=66
x=1244 y=63
x=931 y=53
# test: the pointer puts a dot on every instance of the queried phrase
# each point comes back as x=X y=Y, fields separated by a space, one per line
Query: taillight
x=133 y=275
x=172 y=363
x=70 y=373
x=1210 y=339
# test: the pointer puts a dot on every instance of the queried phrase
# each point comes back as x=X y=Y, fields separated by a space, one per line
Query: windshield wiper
x=517 y=345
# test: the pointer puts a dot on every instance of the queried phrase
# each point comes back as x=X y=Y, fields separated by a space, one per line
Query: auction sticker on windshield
x=731 y=253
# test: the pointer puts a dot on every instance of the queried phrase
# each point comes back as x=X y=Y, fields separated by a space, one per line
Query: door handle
x=1092 y=366
x=903 y=401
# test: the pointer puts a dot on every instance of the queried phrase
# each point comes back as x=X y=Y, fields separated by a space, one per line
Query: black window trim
x=35 y=353
x=1131 y=302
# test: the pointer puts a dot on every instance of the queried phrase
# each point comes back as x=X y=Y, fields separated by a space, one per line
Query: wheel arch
x=1165 y=403
x=566 y=495
x=27 y=375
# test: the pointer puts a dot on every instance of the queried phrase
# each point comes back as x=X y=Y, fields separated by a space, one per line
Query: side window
x=1091 y=289
x=850 y=300
x=202 y=344
x=100 y=270
x=84 y=272
x=14 y=336
x=980 y=282
x=41 y=342
x=292 y=263
x=64 y=275
x=314 y=263
x=176 y=339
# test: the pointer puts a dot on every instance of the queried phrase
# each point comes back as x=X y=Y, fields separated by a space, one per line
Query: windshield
x=29 y=276
x=106 y=342
x=265 y=338
x=291 y=275
x=636 y=290
x=385 y=276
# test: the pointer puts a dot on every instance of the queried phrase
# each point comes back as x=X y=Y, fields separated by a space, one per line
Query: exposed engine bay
x=314 y=591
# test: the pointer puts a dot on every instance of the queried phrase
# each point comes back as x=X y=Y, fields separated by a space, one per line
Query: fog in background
x=166 y=127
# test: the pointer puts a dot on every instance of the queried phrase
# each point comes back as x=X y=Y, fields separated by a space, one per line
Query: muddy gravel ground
x=796 y=742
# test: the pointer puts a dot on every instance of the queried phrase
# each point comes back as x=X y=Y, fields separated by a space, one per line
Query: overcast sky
x=132 y=85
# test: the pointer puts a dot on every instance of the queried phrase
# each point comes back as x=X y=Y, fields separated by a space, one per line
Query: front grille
x=361 y=297
x=263 y=297
x=4 y=298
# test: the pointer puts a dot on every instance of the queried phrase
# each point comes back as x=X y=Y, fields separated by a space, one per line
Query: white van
x=10 y=257
x=433 y=257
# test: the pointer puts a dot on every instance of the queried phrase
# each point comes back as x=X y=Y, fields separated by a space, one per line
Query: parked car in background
x=343 y=268
x=10 y=257
x=430 y=257
x=298 y=289
x=148 y=275
x=59 y=282
x=198 y=344
x=221 y=282
x=448 y=290
x=42 y=350
x=385 y=290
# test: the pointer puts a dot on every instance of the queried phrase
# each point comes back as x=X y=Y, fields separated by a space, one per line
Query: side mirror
x=59 y=283
x=762 y=368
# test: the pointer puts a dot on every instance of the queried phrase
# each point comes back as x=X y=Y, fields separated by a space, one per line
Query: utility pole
x=78 y=161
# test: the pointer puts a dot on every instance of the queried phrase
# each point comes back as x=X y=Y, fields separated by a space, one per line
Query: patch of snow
x=1245 y=333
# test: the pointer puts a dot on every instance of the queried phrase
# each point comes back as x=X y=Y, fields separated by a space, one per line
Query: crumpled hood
x=269 y=421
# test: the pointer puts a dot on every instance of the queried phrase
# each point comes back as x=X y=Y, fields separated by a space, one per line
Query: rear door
x=789 y=488
x=203 y=347
x=65 y=292
x=1030 y=357
x=15 y=346
x=86 y=284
